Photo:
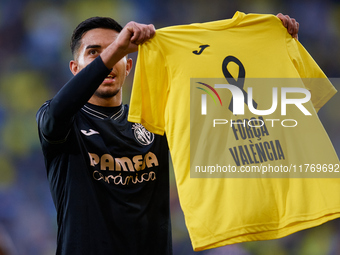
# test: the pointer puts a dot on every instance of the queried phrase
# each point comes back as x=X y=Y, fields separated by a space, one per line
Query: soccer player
x=108 y=177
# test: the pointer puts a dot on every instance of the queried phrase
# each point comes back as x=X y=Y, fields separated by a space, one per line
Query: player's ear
x=129 y=63
x=74 y=67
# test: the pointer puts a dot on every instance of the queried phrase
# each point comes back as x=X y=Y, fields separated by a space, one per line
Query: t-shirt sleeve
x=313 y=77
x=150 y=89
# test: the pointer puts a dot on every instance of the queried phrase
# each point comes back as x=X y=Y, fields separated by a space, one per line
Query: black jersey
x=109 y=178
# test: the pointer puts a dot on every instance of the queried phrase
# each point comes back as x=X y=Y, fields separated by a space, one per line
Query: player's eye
x=93 y=52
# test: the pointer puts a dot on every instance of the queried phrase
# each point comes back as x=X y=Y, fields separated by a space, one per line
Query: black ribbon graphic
x=239 y=82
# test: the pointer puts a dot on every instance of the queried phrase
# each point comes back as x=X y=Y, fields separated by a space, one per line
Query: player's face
x=93 y=43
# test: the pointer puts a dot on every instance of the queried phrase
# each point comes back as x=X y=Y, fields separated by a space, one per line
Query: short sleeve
x=313 y=77
x=150 y=89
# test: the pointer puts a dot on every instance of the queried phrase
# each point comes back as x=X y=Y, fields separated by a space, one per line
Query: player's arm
x=56 y=117
x=290 y=23
x=127 y=42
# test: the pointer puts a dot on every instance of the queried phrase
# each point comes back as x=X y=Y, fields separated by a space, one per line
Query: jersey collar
x=222 y=24
x=103 y=112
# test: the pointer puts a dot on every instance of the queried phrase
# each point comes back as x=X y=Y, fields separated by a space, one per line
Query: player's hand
x=290 y=23
x=127 y=42
x=133 y=34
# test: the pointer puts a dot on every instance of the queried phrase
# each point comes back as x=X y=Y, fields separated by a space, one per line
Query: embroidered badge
x=143 y=136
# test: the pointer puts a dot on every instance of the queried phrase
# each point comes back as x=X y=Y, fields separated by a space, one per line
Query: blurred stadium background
x=34 y=57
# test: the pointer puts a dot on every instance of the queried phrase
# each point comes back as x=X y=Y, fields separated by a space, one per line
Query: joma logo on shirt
x=137 y=163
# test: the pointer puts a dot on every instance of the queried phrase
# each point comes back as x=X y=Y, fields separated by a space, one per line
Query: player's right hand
x=133 y=34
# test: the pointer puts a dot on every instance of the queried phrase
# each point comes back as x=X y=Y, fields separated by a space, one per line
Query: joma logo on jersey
x=240 y=98
x=143 y=136
x=136 y=163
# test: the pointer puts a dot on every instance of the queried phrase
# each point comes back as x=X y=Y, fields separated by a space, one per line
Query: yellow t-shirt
x=242 y=173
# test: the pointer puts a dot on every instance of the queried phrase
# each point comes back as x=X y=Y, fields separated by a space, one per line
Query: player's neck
x=106 y=102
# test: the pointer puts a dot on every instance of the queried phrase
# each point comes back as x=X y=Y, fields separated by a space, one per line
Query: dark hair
x=88 y=24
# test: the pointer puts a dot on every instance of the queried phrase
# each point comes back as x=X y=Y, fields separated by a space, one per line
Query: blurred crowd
x=34 y=54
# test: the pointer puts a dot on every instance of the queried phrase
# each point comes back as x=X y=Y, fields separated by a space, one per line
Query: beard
x=102 y=93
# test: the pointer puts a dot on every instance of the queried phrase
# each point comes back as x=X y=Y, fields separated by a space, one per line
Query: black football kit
x=109 y=178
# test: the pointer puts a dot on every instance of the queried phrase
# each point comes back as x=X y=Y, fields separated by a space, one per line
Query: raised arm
x=55 y=117
x=127 y=42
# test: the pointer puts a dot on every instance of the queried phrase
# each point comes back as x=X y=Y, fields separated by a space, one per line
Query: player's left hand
x=290 y=23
